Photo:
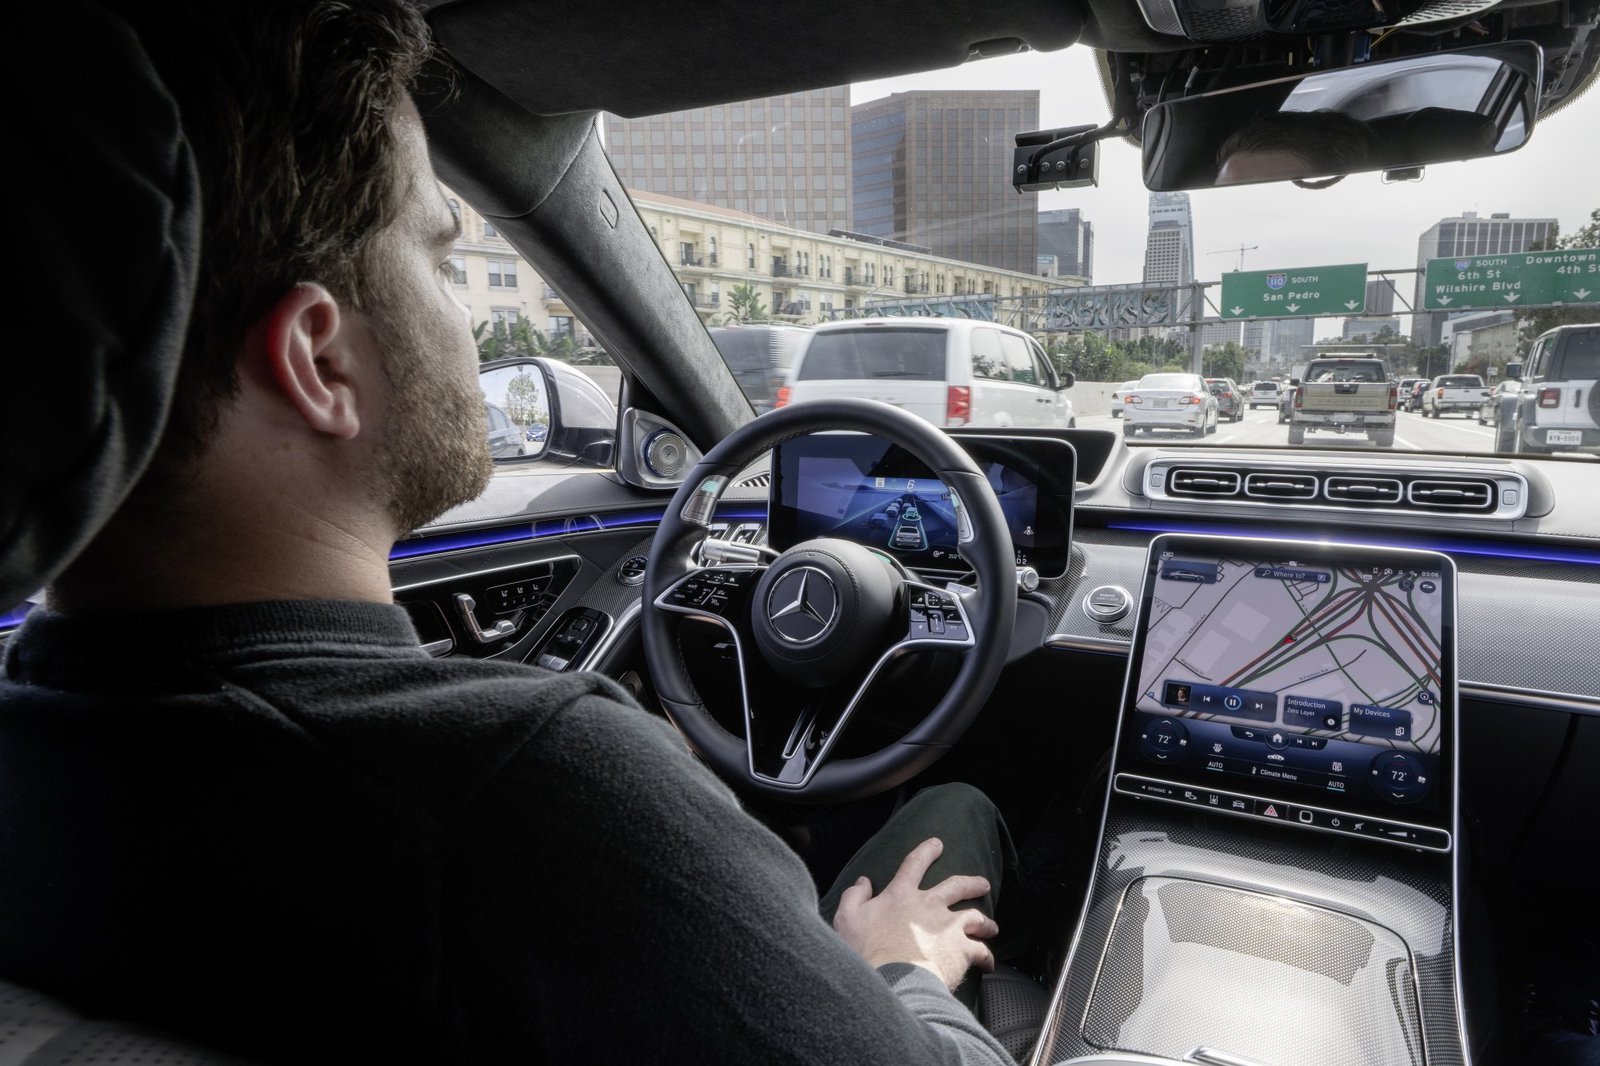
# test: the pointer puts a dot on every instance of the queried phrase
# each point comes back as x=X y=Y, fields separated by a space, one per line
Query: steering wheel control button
x=1108 y=604
x=1400 y=776
x=1164 y=740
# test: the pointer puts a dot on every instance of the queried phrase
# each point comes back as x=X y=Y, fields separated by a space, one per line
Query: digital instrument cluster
x=864 y=489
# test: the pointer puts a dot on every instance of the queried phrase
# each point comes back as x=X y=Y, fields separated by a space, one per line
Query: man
x=238 y=801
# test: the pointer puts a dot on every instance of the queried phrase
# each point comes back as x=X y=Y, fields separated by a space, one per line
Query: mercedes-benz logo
x=801 y=605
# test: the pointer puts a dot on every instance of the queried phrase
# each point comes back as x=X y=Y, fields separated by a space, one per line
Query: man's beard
x=436 y=453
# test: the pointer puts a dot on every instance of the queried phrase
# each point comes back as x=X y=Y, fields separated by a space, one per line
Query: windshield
x=892 y=200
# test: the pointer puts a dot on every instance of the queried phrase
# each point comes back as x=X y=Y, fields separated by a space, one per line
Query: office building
x=1369 y=327
x=1469 y=235
x=1216 y=334
x=1069 y=237
x=1169 y=247
x=1286 y=336
x=932 y=169
x=786 y=158
x=1380 y=298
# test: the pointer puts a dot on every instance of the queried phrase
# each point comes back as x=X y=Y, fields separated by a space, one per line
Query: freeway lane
x=1458 y=435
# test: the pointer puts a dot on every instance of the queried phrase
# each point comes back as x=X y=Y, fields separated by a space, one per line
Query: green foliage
x=744 y=305
x=502 y=341
x=522 y=400
x=1091 y=357
x=1223 y=361
x=1549 y=318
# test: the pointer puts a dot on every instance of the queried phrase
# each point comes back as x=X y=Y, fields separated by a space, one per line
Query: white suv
x=951 y=372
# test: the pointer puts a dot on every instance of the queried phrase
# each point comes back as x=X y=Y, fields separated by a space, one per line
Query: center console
x=1275 y=878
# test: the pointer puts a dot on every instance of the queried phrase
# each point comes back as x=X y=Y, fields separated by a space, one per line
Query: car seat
x=106 y=204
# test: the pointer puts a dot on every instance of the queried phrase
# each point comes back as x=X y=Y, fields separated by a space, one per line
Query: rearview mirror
x=1404 y=113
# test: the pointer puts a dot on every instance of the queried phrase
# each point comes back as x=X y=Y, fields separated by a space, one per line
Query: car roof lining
x=596 y=68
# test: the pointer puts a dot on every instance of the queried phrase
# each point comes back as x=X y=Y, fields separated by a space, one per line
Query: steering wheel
x=823 y=618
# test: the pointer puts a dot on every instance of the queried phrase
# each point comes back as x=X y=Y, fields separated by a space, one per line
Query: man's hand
x=903 y=923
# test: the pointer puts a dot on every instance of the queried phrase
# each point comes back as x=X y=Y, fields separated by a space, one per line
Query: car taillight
x=1191 y=399
x=1394 y=397
x=1439 y=395
x=957 y=405
x=1549 y=397
x=783 y=396
x=1297 y=399
x=1132 y=397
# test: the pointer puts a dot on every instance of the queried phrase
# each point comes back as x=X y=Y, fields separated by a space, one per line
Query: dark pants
x=975 y=842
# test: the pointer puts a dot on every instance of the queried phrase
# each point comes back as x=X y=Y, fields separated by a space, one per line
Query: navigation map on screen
x=1273 y=671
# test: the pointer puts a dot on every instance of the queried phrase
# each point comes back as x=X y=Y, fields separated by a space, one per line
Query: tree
x=744 y=305
x=522 y=400
x=1223 y=361
x=1549 y=318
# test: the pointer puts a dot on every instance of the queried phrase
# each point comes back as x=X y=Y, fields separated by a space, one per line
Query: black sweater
x=283 y=828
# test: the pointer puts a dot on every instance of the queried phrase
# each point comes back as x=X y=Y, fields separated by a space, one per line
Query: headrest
x=106 y=206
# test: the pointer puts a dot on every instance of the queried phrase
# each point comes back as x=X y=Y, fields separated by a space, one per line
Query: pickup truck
x=1462 y=393
x=1344 y=393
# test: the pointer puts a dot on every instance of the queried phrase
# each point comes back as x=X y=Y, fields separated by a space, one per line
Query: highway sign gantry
x=1298 y=292
x=1519 y=279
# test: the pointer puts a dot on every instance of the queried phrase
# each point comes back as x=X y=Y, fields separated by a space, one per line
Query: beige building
x=1495 y=344
x=800 y=277
x=498 y=285
x=803 y=277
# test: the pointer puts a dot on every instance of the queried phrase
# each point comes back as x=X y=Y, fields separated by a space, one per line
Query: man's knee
x=955 y=800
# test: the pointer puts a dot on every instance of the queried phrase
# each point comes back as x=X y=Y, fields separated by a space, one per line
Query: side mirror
x=1294 y=382
x=546 y=409
x=1068 y=379
x=1513 y=371
x=1394 y=115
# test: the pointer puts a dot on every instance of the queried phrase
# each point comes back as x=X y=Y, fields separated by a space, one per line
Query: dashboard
x=1256 y=653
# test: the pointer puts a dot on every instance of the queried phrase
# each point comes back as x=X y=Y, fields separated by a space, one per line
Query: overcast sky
x=1360 y=220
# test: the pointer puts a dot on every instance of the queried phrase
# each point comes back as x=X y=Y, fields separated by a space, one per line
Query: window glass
x=1580 y=356
x=901 y=354
x=988 y=361
x=1018 y=359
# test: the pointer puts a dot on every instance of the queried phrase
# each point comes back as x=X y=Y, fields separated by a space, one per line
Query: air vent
x=1341 y=485
x=1453 y=495
x=1288 y=485
x=1379 y=491
x=756 y=481
x=1190 y=481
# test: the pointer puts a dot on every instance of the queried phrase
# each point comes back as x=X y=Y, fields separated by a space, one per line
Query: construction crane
x=1241 y=250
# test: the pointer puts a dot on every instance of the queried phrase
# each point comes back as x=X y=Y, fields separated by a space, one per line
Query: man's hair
x=289 y=106
x=1324 y=139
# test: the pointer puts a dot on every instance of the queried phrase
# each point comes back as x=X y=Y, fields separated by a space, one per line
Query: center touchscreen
x=1307 y=683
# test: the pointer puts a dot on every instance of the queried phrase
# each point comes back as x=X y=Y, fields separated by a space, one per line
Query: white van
x=951 y=372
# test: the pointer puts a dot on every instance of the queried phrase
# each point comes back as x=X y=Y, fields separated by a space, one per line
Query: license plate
x=1340 y=419
x=1163 y=404
x=1563 y=436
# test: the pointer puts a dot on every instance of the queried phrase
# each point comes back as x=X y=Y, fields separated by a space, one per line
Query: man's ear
x=299 y=335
